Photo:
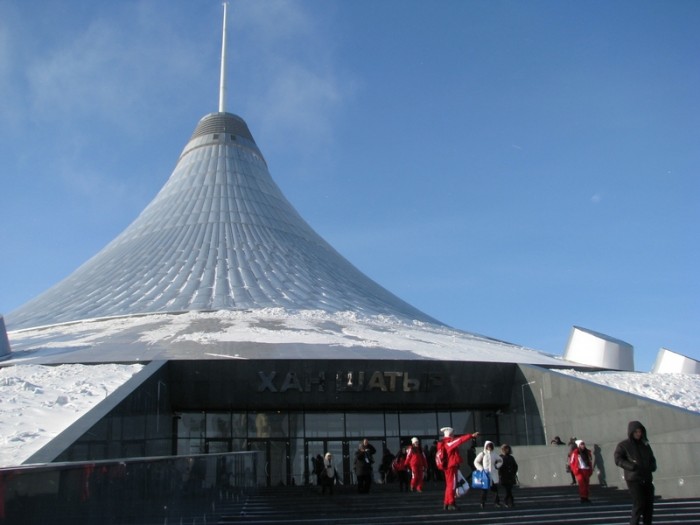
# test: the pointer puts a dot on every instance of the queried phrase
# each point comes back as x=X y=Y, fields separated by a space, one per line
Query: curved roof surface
x=264 y=333
x=219 y=235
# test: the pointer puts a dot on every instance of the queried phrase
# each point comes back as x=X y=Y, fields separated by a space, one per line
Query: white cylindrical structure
x=594 y=349
x=669 y=362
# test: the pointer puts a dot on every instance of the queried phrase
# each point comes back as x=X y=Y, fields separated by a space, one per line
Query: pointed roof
x=219 y=235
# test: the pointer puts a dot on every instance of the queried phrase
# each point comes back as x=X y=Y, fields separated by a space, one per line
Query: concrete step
x=386 y=505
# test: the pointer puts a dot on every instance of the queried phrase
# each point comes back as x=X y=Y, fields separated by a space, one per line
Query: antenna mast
x=222 y=81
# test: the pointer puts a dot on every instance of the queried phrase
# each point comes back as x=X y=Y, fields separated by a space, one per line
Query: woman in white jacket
x=489 y=462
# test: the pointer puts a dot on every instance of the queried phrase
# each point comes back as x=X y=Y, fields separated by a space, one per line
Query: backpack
x=441 y=457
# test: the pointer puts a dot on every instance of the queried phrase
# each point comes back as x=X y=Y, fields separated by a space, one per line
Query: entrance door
x=337 y=448
x=274 y=455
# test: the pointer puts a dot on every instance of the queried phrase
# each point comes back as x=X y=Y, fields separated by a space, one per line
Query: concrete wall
x=570 y=407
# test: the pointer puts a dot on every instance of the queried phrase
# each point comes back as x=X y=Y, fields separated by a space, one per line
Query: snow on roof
x=681 y=390
x=266 y=333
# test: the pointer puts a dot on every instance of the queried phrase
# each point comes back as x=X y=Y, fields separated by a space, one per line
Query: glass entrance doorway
x=317 y=448
x=275 y=463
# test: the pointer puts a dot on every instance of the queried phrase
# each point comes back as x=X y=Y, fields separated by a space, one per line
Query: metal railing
x=139 y=490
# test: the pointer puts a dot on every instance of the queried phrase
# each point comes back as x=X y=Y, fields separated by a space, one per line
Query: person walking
x=635 y=457
x=418 y=463
x=385 y=473
x=401 y=469
x=508 y=473
x=433 y=472
x=450 y=446
x=572 y=446
x=581 y=463
x=488 y=461
x=328 y=474
x=471 y=456
x=363 y=465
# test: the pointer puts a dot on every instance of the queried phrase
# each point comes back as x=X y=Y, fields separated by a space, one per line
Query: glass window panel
x=134 y=425
x=190 y=424
x=418 y=424
x=238 y=424
x=364 y=424
x=268 y=424
x=217 y=445
x=218 y=425
x=239 y=445
x=296 y=424
x=444 y=420
x=486 y=421
x=463 y=422
x=391 y=421
x=324 y=425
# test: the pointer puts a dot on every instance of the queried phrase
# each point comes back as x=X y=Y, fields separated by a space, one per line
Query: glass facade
x=290 y=440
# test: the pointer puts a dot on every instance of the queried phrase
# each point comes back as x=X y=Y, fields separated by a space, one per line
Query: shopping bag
x=461 y=485
x=481 y=480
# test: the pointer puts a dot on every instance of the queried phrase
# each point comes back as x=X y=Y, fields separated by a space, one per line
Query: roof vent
x=668 y=362
x=591 y=348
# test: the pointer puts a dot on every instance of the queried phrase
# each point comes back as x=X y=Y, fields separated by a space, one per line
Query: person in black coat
x=508 y=473
x=635 y=457
x=363 y=466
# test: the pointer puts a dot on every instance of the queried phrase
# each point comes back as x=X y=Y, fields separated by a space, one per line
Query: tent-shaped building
x=257 y=335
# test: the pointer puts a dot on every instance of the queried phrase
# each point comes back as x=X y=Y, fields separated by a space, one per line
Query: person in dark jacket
x=635 y=457
x=363 y=465
x=508 y=473
x=572 y=446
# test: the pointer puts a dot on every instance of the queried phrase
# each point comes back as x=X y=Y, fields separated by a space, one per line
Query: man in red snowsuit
x=451 y=446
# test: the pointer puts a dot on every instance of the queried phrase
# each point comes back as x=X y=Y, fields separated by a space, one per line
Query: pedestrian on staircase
x=328 y=474
x=489 y=462
x=581 y=463
x=508 y=473
x=635 y=457
x=450 y=445
x=364 y=458
x=418 y=463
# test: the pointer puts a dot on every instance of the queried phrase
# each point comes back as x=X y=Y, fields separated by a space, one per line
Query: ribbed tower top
x=219 y=235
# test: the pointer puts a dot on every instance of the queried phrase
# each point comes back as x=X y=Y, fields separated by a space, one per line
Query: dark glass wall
x=150 y=490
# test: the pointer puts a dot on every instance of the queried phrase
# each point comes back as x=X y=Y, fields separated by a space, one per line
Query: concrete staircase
x=386 y=505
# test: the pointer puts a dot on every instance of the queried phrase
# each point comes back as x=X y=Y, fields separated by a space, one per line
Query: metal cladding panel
x=219 y=234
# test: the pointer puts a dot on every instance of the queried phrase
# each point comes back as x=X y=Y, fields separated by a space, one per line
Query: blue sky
x=510 y=168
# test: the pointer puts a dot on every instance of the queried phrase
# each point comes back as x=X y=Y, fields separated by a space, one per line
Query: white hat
x=447 y=430
x=579 y=441
x=414 y=440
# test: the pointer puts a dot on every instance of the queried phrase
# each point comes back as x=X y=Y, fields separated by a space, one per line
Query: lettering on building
x=348 y=381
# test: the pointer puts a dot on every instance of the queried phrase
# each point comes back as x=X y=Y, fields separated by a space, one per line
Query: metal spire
x=222 y=82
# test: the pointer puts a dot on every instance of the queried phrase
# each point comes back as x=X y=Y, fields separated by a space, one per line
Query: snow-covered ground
x=37 y=402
